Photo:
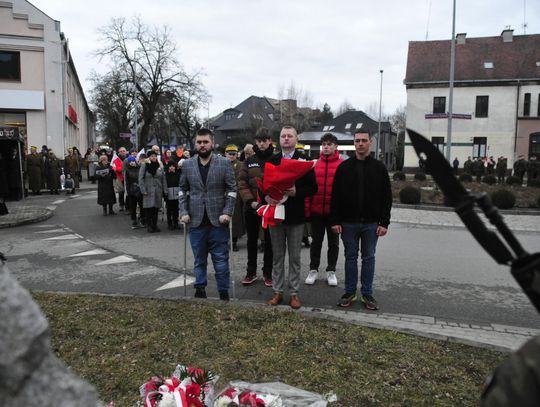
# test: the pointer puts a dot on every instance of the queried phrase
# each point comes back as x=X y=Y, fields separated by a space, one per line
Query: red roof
x=429 y=61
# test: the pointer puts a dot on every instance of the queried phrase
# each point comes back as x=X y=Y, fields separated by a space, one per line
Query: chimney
x=507 y=35
x=461 y=38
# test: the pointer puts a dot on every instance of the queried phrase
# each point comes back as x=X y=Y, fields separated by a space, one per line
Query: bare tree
x=112 y=102
x=149 y=55
x=344 y=107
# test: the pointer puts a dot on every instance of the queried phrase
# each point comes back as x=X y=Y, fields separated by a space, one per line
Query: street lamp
x=380 y=116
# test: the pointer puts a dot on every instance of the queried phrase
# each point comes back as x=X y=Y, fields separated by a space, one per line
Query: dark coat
x=71 y=167
x=4 y=189
x=105 y=190
x=36 y=172
x=238 y=224
x=377 y=193
x=53 y=170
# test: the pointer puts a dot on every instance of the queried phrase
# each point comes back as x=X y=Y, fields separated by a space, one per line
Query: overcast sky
x=333 y=49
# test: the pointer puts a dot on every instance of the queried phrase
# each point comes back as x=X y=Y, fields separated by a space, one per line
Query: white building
x=496 y=96
x=41 y=98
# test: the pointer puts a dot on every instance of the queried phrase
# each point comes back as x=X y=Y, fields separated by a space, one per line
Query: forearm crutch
x=184 y=269
x=231 y=261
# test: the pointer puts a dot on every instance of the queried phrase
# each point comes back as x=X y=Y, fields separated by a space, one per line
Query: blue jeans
x=363 y=236
x=214 y=240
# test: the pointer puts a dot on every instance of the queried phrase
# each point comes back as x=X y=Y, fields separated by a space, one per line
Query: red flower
x=230 y=393
x=195 y=371
x=193 y=390
x=250 y=399
x=278 y=178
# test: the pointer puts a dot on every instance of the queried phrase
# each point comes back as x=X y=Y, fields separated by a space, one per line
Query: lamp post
x=451 y=86
x=380 y=116
x=135 y=99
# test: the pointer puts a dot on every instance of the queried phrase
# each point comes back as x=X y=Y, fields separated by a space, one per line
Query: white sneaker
x=331 y=277
x=312 y=277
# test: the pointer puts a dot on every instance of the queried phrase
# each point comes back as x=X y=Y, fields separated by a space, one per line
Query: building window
x=348 y=126
x=479 y=146
x=439 y=104
x=527 y=105
x=10 y=65
x=534 y=145
x=482 y=103
x=438 y=142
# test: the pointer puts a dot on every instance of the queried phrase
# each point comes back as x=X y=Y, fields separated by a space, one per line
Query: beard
x=204 y=154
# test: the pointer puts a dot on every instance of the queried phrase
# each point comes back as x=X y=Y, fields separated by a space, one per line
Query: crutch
x=184 y=269
x=231 y=261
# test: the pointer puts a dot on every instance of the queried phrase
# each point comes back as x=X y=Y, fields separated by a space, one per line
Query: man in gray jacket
x=207 y=197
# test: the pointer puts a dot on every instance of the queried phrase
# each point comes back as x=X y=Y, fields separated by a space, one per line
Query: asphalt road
x=439 y=272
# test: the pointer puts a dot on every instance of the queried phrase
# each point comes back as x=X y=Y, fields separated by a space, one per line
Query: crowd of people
x=482 y=166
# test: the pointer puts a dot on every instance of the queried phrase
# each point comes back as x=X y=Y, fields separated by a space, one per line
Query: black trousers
x=253 y=224
x=132 y=203
x=121 y=201
x=320 y=225
x=172 y=211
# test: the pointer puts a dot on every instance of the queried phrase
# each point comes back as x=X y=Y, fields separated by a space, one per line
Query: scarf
x=152 y=167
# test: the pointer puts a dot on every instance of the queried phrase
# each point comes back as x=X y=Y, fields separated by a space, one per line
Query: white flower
x=167 y=400
x=222 y=401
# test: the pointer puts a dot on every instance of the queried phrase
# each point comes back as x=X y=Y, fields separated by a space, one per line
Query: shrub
x=513 y=180
x=489 y=179
x=503 y=198
x=420 y=176
x=465 y=177
x=410 y=195
x=535 y=182
x=399 y=176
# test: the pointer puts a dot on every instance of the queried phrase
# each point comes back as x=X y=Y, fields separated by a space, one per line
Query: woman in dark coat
x=53 y=170
x=71 y=167
x=105 y=176
x=172 y=177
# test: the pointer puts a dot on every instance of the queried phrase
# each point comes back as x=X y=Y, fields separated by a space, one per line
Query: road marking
x=117 y=260
x=177 y=282
x=90 y=253
x=51 y=207
x=64 y=237
x=45 y=226
x=52 y=231
x=58 y=202
x=73 y=196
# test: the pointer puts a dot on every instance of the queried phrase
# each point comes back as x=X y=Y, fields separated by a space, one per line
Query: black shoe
x=104 y=212
x=306 y=242
x=224 y=295
x=111 y=212
x=121 y=209
x=369 y=302
x=346 y=300
x=235 y=247
x=134 y=224
x=200 y=292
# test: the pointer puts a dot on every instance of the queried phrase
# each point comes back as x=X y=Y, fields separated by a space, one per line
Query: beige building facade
x=42 y=101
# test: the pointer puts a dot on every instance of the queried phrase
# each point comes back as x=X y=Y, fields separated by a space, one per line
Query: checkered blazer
x=218 y=196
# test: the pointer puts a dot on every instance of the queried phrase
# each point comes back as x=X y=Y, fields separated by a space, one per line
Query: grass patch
x=118 y=343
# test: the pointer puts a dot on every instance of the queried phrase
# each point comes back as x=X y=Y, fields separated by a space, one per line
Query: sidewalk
x=37 y=208
x=492 y=336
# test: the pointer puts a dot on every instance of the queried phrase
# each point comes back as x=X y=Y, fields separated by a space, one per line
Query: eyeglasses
x=361 y=140
x=202 y=141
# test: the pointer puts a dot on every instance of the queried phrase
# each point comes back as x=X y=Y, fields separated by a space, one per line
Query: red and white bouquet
x=277 y=179
x=237 y=397
x=187 y=387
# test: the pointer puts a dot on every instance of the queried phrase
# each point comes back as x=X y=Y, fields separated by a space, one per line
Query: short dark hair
x=363 y=130
x=263 y=134
x=329 y=138
x=205 y=132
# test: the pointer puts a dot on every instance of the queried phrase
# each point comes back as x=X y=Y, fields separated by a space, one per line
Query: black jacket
x=377 y=193
x=305 y=186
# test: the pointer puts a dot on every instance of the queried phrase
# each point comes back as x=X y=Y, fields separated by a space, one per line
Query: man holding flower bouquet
x=286 y=184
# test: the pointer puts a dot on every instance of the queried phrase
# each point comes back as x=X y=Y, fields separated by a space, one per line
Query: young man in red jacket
x=318 y=209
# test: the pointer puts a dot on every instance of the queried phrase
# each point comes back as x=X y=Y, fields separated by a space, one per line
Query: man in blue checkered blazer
x=207 y=197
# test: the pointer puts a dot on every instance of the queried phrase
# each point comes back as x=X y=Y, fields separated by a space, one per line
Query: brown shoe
x=295 y=302
x=276 y=299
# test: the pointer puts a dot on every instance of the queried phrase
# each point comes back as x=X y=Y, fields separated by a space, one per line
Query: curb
x=44 y=216
x=442 y=208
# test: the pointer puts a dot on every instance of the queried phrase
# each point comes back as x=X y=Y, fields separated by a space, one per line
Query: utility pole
x=451 y=87
x=380 y=117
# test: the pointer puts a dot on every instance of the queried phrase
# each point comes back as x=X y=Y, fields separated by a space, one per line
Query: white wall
x=498 y=127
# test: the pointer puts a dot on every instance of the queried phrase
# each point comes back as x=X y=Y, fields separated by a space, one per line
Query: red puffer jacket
x=325 y=169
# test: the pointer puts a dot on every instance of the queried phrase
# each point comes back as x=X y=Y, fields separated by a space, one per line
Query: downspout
x=516 y=125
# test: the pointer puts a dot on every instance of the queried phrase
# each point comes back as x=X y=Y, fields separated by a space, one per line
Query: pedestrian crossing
x=59 y=241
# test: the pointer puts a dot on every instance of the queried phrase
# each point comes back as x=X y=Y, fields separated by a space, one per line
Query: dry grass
x=117 y=343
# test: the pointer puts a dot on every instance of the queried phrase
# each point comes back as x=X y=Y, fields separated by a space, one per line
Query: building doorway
x=534 y=145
